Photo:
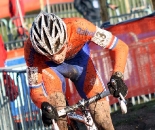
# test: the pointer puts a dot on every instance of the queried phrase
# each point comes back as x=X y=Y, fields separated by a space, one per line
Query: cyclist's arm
x=119 y=56
x=37 y=96
x=34 y=75
x=118 y=49
x=77 y=5
x=37 y=91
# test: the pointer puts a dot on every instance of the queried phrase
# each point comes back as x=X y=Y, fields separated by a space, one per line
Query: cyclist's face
x=60 y=56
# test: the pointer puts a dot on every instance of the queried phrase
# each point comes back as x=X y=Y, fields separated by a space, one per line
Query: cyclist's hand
x=48 y=113
x=120 y=86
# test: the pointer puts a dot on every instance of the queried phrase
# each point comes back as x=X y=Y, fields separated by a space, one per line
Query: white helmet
x=48 y=34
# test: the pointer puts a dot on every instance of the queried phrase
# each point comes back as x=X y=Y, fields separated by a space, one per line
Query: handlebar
x=97 y=97
x=121 y=99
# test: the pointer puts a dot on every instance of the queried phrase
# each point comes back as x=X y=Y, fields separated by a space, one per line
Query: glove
x=119 y=87
x=48 y=113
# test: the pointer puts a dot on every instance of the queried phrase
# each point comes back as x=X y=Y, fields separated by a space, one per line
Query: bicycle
x=70 y=111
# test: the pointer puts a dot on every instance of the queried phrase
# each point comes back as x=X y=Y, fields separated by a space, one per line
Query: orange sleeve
x=34 y=75
x=119 y=56
x=37 y=91
x=38 y=96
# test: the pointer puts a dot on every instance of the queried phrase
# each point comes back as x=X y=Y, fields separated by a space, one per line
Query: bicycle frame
x=82 y=104
x=85 y=118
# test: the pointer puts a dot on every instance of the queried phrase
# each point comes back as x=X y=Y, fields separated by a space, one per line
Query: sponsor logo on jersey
x=85 y=32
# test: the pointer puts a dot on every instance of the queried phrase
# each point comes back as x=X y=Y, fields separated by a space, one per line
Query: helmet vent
x=46 y=40
x=46 y=20
x=38 y=34
x=39 y=23
x=50 y=27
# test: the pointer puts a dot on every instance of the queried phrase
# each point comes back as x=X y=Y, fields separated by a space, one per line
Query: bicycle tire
x=75 y=125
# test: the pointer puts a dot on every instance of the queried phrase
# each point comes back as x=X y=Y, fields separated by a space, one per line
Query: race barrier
x=4 y=29
x=13 y=45
x=139 y=34
x=12 y=29
x=17 y=108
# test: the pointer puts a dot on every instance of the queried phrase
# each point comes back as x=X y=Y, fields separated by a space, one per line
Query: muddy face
x=59 y=57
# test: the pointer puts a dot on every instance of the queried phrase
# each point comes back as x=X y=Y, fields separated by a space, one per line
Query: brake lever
x=121 y=99
x=122 y=103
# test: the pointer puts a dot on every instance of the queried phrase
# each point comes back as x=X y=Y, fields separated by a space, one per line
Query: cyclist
x=58 y=49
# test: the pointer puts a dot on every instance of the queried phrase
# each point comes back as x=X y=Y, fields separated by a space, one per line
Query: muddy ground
x=138 y=117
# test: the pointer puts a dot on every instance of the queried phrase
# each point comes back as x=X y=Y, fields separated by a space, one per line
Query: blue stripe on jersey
x=114 y=43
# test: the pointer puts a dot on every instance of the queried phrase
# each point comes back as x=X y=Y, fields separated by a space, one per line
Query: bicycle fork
x=86 y=118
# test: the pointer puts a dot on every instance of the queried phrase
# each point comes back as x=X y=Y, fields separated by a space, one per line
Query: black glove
x=117 y=88
x=48 y=113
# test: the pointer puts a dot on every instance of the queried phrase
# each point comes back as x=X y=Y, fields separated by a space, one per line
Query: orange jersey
x=79 y=32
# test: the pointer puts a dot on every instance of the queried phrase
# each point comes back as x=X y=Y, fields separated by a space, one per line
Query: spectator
x=3 y=53
x=112 y=6
x=17 y=19
x=11 y=88
x=87 y=9
x=90 y=9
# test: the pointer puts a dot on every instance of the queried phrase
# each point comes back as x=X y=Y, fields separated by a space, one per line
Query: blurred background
x=17 y=13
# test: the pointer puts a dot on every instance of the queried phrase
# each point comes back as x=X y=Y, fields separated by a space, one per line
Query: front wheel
x=75 y=125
